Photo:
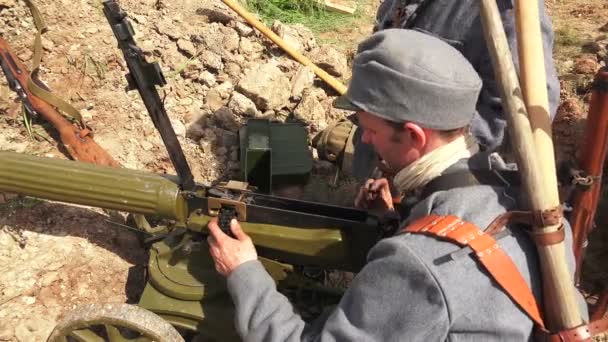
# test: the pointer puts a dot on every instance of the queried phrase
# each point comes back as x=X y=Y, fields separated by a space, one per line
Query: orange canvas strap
x=498 y=264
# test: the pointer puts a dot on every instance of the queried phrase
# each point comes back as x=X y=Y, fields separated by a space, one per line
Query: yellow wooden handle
x=327 y=78
x=561 y=306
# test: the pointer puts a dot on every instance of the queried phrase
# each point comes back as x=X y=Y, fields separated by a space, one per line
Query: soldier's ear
x=418 y=135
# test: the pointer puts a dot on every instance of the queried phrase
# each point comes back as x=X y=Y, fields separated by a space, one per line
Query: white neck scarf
x=432 y=164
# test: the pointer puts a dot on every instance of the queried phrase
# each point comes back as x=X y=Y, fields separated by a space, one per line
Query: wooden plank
x=342 y=6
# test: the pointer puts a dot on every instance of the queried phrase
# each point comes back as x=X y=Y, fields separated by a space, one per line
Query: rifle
x=76 y=140
x=588 y=179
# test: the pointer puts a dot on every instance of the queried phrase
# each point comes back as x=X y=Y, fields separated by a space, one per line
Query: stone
x=211 y=60
x=233 y=165
x=146 y=145
x=243 y=29
x=231 y=40
x=214 y=100
x=23 y=333
x=304 y=78
x=226 y=119
x=226 y=138
x=233 y=69
x=219 y=38
x=221 y=151
x=26 y=55
x=7 y=4
x=167 y=27
x=604 y=28
x=6 y=330
x=324 y=166
x=48 y=278
x=568 y=65
x=195 y=131
x=87 y=115
x=186 y=101
x=47 y=44
x=298 y=36
x=245 y=47
x=216 y=14
x=47 y=297
x=242 y=105
x=140 y=19
x=267 y=86
x=234 y=155
x=207 y=78
x=330 y=60
x=28 y=300
x=311 y=111
x=147 y=46
x=205 y=146
x=225 y=89
x=178 y=127
x=209 y=135
x=7 y=196
x=586 y=65
x=592 y=47
x=186 y=47
x=288 y=65
x=36 y=328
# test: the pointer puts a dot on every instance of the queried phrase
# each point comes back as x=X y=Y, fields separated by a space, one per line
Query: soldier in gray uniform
x=414 y=96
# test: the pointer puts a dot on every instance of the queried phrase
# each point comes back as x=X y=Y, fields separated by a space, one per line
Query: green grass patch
x=567 y=36
x=310 y=13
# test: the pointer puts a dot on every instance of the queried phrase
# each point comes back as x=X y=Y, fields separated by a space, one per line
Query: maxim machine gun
x=297 y=241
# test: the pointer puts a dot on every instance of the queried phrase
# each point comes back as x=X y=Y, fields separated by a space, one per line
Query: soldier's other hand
x=229 y=253
x=375 y=195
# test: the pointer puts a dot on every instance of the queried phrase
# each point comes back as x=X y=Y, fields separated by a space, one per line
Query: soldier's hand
x=375 y=195
x=229 y=253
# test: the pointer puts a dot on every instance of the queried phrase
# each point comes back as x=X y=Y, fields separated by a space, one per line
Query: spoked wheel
x=113 y=323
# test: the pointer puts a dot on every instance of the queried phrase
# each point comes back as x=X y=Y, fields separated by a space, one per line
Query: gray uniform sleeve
x=393 y=298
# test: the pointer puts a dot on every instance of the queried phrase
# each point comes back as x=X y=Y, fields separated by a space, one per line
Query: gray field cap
x=404 y=75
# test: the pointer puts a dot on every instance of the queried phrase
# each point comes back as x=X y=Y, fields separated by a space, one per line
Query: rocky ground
x=219 y=72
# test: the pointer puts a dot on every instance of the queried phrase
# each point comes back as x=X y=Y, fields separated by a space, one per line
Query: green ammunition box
x=274 y=154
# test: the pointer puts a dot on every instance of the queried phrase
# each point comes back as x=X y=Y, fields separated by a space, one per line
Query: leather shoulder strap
x=498 y=264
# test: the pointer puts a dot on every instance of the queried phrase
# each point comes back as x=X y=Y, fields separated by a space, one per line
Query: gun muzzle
x=92 y=185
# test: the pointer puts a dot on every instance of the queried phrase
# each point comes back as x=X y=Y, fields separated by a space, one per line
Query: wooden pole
x=520 y=131
x=533 y=175
x=322 y=74
x=561 y=306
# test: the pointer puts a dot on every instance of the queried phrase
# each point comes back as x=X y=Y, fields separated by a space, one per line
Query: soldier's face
x=396 y=147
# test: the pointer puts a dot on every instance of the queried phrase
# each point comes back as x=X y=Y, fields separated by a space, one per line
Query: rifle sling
x=35 y=86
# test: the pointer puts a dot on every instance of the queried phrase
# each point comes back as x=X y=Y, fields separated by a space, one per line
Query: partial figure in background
x=457 y=23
